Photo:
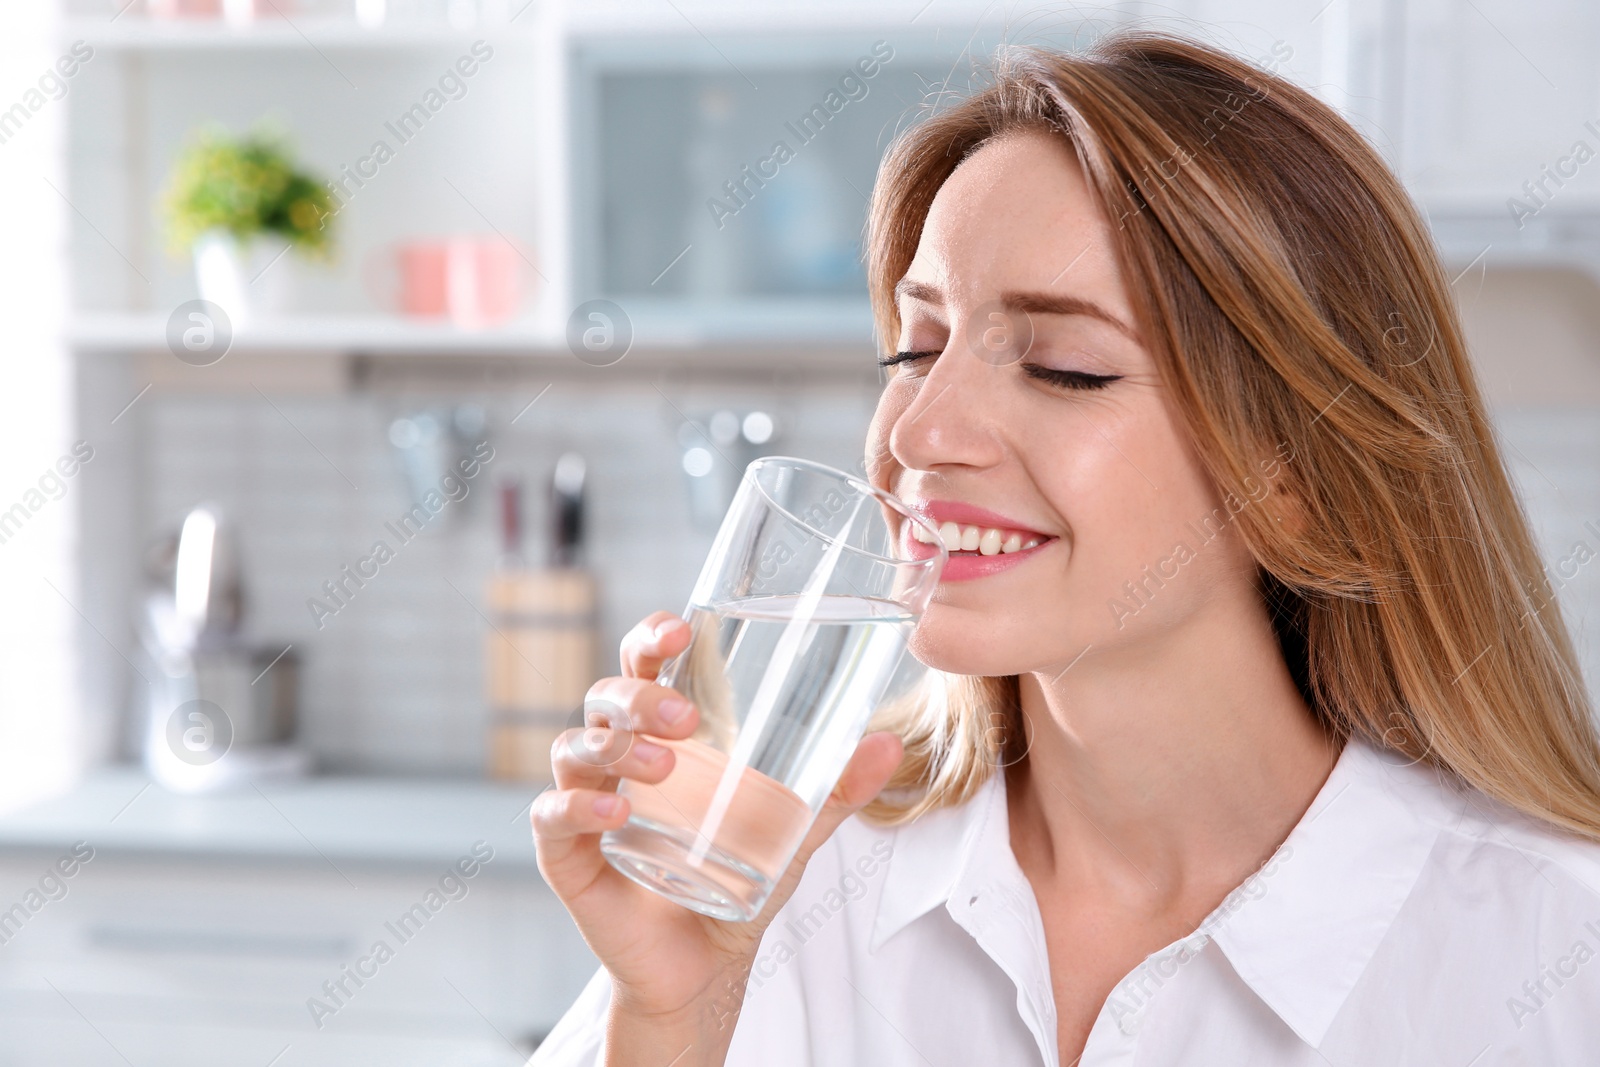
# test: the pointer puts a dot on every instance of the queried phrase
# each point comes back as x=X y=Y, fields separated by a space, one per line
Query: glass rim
x=859 y=484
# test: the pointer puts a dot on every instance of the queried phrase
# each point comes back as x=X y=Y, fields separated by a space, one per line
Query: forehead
x=1018 y=215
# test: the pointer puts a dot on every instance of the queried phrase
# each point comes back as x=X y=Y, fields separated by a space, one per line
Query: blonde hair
x=1291 y=295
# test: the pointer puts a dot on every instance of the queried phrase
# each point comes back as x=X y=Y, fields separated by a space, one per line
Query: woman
x=1271 y=750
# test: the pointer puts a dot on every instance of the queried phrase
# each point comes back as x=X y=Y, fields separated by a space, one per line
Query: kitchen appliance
x=221 y=712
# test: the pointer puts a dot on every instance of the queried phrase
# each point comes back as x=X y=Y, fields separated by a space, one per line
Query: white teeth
x=985 y=540
x=923 y=534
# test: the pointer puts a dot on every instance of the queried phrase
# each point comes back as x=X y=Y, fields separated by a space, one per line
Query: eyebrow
x=1030 y=303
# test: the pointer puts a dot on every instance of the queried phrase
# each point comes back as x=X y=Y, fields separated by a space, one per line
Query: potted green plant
x=240 y=205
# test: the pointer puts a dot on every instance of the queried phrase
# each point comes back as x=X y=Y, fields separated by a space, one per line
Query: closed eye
x=1071 y=379
x=1068 y=379
x=903 y=357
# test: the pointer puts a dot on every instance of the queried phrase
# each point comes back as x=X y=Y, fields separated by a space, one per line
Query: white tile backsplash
x=393 y=681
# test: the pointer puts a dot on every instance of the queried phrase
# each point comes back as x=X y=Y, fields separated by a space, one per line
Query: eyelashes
x=903 y=357
x=1069 y=379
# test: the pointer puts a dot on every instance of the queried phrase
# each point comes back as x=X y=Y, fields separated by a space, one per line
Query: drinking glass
x=798 y=630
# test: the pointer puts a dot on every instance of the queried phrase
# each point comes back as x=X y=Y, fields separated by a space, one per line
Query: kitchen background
x=576 y=162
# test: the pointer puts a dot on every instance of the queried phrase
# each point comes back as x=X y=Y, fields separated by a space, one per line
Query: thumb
x=864 y=777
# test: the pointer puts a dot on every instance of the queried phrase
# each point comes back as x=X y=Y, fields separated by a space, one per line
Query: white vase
x=249 y=281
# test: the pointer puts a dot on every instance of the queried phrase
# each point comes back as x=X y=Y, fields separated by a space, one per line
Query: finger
x=655 y=640
x=595 y=757
x=566 y=828
x=864 y=777
x=640 y=706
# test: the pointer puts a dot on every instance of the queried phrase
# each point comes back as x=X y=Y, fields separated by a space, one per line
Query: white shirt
x=1403 y=921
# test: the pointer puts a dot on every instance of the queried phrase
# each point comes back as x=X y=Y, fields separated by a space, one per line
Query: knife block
x=541 y=660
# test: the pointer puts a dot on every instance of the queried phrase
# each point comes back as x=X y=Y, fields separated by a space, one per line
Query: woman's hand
x=676 y=976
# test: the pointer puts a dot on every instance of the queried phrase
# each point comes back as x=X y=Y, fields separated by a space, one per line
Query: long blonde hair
x=1291 y=295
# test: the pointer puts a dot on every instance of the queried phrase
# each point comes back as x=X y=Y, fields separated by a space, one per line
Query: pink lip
x=960 y=567
x=961 y=514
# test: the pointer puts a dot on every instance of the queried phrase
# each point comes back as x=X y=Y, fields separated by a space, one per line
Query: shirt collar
x=1299 y=932
x=936 y=851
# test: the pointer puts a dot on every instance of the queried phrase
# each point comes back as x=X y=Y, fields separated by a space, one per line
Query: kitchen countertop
x=363 y=819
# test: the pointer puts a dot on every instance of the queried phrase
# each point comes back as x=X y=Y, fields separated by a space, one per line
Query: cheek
x=1127 y=485
x=1151 y=487
x=1156 y=537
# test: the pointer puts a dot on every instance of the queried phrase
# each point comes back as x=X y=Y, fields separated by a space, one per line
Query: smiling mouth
x=970 y=540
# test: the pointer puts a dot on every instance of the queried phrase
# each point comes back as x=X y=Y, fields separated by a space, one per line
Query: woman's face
x=1029 y=395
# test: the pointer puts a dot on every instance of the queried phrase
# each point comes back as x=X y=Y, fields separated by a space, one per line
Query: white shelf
x=650 y=18
x=136 y=33
x=813 y=339
x=313 y=333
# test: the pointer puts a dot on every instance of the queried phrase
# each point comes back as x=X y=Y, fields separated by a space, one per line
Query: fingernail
x=647 y=751
x=672 y=710
x=606 y=806
x=665 y=627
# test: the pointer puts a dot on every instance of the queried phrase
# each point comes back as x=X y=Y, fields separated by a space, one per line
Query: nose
x=954 y=415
